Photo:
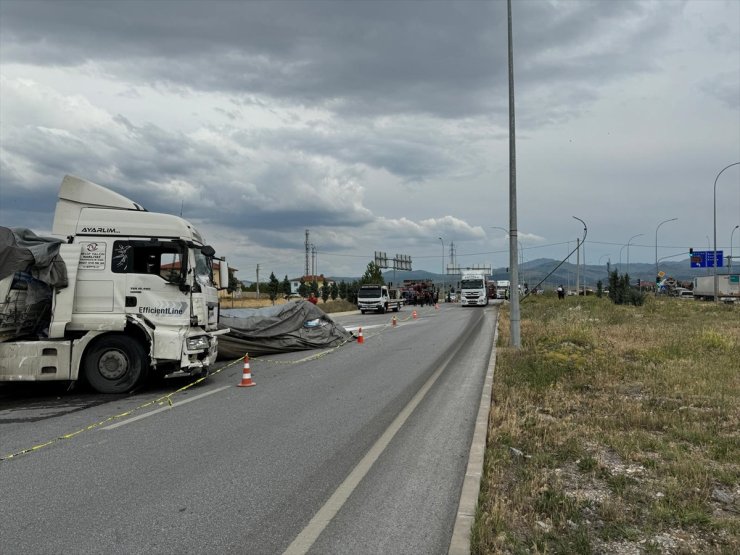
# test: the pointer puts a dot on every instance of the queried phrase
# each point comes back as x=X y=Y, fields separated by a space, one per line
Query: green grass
x=629 y=421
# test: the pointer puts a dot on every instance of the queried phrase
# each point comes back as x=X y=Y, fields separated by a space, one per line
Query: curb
x=460 y=542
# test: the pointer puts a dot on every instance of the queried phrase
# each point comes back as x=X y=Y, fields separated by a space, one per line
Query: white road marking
x=303 y=542
x=157 y=411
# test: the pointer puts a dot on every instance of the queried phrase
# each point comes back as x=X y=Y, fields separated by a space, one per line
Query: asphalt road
x=360 y=450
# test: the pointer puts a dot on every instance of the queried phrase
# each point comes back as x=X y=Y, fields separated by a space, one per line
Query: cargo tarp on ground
x=295 y=326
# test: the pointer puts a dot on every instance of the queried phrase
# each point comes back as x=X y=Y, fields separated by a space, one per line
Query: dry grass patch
x=614 y=429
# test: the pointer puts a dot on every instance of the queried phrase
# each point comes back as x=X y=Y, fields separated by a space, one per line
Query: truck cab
x=140 y=297
x=378 y=298
x=473 y=289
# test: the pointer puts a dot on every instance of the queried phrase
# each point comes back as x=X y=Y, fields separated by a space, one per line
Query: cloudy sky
x=381 y=125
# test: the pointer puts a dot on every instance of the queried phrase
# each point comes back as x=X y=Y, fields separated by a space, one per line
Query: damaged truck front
x=117 y=294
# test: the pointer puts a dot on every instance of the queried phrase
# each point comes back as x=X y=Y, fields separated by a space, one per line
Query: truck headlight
x=197 y=343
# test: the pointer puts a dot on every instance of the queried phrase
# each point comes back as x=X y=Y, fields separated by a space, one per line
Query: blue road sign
x=705 y=259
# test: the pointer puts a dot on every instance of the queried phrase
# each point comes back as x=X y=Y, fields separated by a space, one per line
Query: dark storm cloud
x=163 y=170
x=374 y=123
x=441 y=58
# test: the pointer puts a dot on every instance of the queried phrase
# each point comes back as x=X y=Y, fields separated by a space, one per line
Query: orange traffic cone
x=394 y=322
x=413 y=315
x=360 y=339
x=247 y=375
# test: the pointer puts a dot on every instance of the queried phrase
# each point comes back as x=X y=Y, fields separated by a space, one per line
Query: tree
x=325 y=291
x=373 y=275
x=303 y=289
x=314 y=288
x=622 y=292
x=352 y=290
x=234 y=284
x=285 y=287
x=342 y=290
x=334 y=291
x=273 y=287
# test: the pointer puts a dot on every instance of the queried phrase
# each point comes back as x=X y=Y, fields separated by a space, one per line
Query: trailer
x=116 y=294
x=728 y=288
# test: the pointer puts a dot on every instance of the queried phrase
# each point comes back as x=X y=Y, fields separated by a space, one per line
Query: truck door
x=154 y=271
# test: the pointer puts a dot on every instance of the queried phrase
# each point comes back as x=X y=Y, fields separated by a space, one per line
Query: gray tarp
x=21 y=250
x=295 y=326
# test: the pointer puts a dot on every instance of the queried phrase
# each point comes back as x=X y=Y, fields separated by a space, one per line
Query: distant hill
x=532 y=271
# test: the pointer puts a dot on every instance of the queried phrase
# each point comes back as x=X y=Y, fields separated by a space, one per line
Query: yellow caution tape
x=158 y=401
x=168 y=398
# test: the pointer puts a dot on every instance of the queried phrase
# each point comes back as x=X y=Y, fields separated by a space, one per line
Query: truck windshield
x=203 y=269
x=471 y=284
x=369 y=293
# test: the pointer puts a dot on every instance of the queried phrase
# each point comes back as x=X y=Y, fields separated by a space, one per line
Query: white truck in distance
x=139 y=295
x=473 y=288
x=378 y=298
x=728 y=287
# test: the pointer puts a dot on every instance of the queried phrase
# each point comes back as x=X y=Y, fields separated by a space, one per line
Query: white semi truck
x=378 y=298
x=139 y=295
x=474 y=288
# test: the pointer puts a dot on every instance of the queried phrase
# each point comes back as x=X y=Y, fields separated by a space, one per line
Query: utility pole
x=258 y=281
x=313 y=262
x=583 y=246
x=307 y=266
x=514 y=317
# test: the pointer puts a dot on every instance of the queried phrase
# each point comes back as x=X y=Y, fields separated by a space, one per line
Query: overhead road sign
x=705 y=259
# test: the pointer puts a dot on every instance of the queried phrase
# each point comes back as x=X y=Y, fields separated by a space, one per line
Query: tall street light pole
x=444 y=277
x=732 y=252
x=514 y=317
x=628 y=250
x=716 y=282
x=656 y=251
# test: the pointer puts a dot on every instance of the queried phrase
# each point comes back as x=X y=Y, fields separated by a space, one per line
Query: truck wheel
x=362 y=311
x=114 y=364
x=383 y=309
x=396 y=308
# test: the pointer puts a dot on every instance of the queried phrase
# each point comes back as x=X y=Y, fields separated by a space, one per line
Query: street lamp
x=716 y=283
x=731 y=251
x=656 y=251
x=444 y=278
x=628 y=250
